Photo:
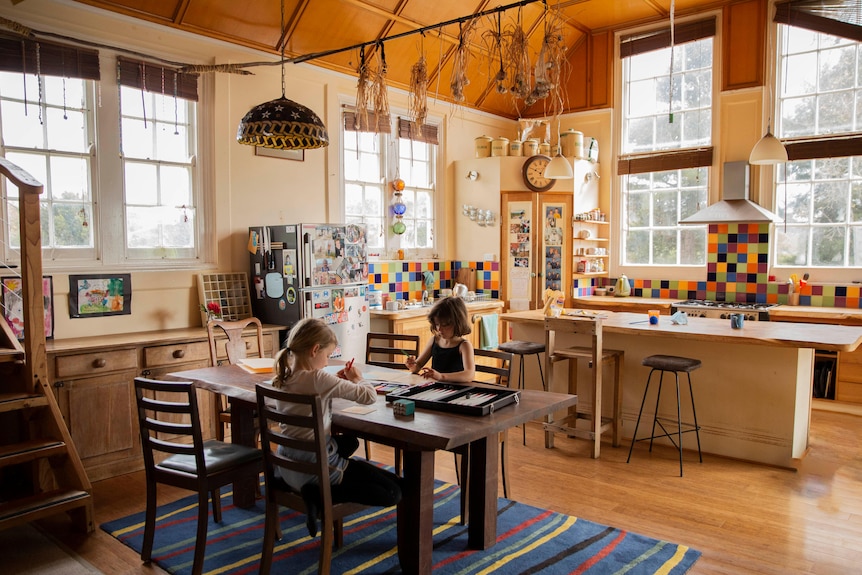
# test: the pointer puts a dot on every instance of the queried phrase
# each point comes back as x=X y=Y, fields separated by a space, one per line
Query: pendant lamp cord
x=283 y=42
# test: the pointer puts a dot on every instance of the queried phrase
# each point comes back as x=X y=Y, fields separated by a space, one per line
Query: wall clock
x=534 y=173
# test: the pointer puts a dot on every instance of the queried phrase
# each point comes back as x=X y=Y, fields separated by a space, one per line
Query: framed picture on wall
x=97 y=295
x=298 y=155
x=13 y=305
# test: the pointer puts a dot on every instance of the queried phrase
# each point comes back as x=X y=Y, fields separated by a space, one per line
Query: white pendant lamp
x=559 y=168
x=769 y=150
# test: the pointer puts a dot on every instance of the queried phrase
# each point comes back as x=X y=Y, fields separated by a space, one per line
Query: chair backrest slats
x=235 y=346
x=271 y=434
x=388 y=349
x=501 y=371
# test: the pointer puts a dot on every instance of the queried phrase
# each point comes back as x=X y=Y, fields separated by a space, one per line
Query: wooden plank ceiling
x=314 y=26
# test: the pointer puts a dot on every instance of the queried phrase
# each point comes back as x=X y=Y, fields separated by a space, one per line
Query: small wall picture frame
x=13 y=305
x=98 y=295
x=298 y=155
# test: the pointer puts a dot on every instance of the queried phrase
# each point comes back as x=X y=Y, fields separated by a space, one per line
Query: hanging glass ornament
x=399 y=208
x=398 y=184
x=398 y=227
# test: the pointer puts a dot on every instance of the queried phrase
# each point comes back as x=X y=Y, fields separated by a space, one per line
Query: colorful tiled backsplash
x=406 y=280
x=737 y=270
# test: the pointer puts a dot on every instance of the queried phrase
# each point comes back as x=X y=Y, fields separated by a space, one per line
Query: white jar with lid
x=530 y=147
x=500 y=147
x=483 y=147
x=545 y=148
x=572 y=143
x=515 y=147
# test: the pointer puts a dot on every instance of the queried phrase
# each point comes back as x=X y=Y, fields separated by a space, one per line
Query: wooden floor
x=744 y=518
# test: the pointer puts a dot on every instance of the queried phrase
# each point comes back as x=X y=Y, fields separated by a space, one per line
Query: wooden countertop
x=809 y=314
x=624 y=303
x=493 y=304
x=780 y=334
x=165 y=336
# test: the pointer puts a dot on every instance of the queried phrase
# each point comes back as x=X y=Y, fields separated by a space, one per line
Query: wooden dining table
x=419 y=437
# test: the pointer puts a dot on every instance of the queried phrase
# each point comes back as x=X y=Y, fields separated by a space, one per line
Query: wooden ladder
x=40 y=471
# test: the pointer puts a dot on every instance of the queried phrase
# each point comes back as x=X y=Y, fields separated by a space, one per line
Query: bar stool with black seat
x=597 y=356
x=522 y=349
x=672 y=364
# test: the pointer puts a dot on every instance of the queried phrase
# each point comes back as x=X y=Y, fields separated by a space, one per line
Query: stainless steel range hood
x=734 y=207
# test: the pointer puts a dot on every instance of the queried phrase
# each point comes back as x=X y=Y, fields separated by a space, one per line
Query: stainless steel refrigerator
x=312 y=270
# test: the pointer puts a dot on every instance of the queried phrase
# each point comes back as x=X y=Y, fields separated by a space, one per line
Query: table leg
x=242 y=432
x=416 y=513
x=482 y=514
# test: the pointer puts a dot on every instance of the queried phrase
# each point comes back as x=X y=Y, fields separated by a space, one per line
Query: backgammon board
x=457 y=397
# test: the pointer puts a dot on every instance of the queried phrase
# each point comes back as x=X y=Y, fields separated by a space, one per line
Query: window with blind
x=819 y=90
x=58 y=118
x=666 y=151
x=373 y=157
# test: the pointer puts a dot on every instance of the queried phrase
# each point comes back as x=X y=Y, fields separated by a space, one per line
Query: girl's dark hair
x=451 y=310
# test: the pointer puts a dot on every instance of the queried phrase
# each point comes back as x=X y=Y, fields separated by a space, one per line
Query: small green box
x=403 y=407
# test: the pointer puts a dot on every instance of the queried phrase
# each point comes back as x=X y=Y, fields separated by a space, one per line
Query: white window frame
x=669 y=272
x=389 y=157
x=108 y=194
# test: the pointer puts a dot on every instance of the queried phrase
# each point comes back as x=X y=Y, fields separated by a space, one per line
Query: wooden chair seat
x=597 y=356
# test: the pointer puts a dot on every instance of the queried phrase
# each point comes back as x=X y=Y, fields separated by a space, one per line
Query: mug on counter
x=737 y=320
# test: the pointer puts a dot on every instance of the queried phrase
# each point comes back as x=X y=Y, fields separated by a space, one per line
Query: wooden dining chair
x=499 y=368
x=235 y=348
x=279 y=493
x=389 y=350
x=176 y=454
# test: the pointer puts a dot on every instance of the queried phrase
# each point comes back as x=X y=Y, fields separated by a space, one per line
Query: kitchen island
x=753 y=392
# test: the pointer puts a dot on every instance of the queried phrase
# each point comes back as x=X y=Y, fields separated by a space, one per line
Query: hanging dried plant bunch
x=494 y=42
x=380 y=95
x=550 y=61
x=418 y=97
x=517 y=60
x=459 y=78
x=363 y=92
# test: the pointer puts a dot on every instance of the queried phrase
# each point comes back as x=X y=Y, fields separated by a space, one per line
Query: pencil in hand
x=349 y=364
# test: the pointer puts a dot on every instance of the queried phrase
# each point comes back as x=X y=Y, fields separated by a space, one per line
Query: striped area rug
x=529 y=540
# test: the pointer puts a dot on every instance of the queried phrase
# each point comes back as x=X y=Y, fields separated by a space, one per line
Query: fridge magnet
x=291 y=295
x=13 y=305
x=99 y=295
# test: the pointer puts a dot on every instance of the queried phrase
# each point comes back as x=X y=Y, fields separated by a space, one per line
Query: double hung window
x=373 y=159
x=666 y=150
x=819 y=102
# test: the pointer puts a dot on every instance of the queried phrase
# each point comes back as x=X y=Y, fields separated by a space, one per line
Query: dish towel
x=488 y=338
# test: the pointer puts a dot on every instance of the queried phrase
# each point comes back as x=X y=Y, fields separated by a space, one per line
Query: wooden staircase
x=40 y=471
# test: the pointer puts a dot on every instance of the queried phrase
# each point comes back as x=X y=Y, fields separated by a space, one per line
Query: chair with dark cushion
x=170 y=426
x=523 y=349
x=279 y=493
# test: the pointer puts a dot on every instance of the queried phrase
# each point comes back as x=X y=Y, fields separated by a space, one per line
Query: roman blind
x=408 y=129
x=356 y=121
x=156 y=78
x=28 y=56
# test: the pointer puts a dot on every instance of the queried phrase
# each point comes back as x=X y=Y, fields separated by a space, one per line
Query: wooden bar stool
x=521 y=349
x=597 y=357
x=673 y=364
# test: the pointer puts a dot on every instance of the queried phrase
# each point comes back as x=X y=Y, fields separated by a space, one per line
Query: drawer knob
x=99 y=363
x=179 y=354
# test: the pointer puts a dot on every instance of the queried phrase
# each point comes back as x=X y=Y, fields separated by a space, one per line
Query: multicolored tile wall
x=406 y=280
x=737 y=270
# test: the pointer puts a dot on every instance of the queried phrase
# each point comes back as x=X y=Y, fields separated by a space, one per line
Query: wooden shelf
x=589 y=274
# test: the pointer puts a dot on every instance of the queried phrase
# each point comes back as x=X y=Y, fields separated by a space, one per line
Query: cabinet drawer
x=95 y=363
x=168 y=355
x=848 y=391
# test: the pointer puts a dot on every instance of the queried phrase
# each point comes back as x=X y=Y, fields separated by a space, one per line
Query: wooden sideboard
x=93 y=380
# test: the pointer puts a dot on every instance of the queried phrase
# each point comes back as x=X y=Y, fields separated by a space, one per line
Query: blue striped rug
x=529 y=540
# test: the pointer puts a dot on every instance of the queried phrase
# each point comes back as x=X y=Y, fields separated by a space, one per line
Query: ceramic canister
x=515 y=148
x=545 y=148
x=572 y=142
x=483 y=147
x=500 y=147
x=530 y=147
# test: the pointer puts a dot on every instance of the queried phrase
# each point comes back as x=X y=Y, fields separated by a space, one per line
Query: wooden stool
x=521 y=349
x=597 y=356
x=673 y=364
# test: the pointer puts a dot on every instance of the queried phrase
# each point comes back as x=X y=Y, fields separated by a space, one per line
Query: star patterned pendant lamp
x=282 y=123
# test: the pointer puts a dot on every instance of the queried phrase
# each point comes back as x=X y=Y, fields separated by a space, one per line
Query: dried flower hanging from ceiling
x=363 y=92
x=495 y=46
x=459 y=78
x=550 y=63
x=517 y=59
x=418 y=97
x=380 y=93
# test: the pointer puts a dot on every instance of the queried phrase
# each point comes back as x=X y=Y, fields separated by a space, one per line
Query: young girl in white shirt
x=299 y=369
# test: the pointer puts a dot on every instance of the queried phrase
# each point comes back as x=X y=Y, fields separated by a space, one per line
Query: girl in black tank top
x=451 y=355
